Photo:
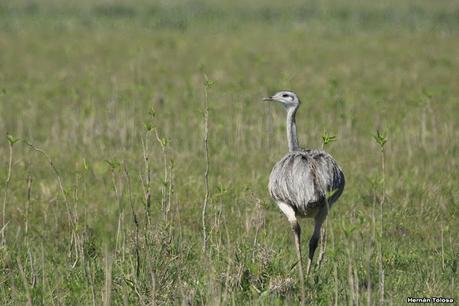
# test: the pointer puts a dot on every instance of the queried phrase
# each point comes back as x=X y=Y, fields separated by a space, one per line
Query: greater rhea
x=304 y=183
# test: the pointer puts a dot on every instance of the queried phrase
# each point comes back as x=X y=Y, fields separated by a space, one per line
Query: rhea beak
x=268 y=99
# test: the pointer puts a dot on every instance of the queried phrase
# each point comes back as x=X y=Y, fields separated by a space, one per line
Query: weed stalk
x=11 y=141
x=207 y=84
x=381 y=140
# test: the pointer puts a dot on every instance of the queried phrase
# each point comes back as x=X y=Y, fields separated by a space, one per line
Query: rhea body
x=305 y=182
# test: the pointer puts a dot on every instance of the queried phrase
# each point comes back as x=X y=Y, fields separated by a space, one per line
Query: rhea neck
x=291 y=129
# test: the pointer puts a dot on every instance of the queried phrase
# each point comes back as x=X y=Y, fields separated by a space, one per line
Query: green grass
x=79 y=82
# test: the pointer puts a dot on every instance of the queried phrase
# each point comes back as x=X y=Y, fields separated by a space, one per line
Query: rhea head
x=287 y=98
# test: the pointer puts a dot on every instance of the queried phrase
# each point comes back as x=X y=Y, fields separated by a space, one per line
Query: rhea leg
x=323 y=238
x=291 y=216
x=297 y=233
x=314 y=241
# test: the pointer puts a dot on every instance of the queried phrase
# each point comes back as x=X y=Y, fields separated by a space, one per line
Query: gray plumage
x=304 y=178
x=304 y=183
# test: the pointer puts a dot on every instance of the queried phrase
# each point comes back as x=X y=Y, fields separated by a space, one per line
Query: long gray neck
x=291 y=130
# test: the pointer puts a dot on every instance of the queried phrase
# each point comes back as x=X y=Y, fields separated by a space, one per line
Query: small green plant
x=208 y=83
x=12 y=140
x=85 y=164
x=148 y=126
x=327 y=139
x=113 y=164
x=152 y=112
x=380 y=139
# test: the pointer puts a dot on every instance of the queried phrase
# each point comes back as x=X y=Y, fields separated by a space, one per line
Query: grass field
x=102 y=158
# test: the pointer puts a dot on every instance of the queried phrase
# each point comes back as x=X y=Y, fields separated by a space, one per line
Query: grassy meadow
x=103 y=160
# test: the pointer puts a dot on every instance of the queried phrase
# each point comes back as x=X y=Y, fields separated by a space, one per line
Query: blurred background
x=102 y=160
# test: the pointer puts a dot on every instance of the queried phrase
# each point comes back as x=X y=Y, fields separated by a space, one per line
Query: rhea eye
x=287 y=96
